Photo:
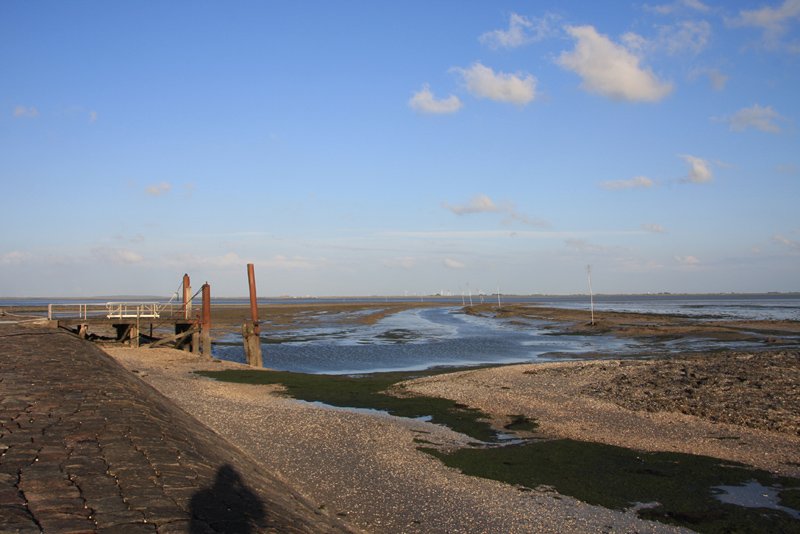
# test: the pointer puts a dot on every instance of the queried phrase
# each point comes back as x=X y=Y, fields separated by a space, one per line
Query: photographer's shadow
x=227 y=506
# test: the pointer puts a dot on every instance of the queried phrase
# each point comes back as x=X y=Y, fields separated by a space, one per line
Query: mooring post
x=251 y=280
x=187 y=297
x=251 y=334
x=205 y=327
x=135 y=335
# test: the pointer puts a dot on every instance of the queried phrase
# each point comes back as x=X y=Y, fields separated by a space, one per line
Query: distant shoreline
x=768 y=294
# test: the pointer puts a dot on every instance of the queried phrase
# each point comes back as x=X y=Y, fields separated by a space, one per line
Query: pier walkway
x=85 y=446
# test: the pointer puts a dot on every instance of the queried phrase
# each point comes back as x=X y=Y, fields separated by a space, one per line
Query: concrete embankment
x=86 y=446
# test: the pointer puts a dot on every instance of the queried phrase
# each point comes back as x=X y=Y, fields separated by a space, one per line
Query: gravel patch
x=757 y=390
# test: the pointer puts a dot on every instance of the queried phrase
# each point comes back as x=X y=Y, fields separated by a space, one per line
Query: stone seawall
x=86 y=446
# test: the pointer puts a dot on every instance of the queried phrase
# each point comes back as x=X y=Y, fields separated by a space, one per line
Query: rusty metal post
x=205 y=326
x=187 y=297
x=251 y=333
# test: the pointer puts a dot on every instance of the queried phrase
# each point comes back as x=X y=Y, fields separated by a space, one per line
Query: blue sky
x=380 y=148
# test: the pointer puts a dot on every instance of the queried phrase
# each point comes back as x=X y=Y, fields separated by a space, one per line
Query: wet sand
x=643 y=325
x=289 y=316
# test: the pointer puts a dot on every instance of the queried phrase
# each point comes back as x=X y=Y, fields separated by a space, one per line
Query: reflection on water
x=754 y=495
x=419 y=339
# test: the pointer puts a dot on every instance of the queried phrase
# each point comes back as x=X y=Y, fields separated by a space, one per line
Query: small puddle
x=366 y=411
x=753 y=495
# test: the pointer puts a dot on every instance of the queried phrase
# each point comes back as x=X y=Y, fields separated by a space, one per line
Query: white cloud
x=783 y=240
x=14 y=257
x=190 y=261
x=405 y=262
x=233 y=260
x=478 y=204
x=116 y=256
x=453 y=264
x=633 y=183
x=423 y=101
x=699 y=170
x=514 y=215
x=484 y=204
x=689 y=261
x=498 y=234
x=156 y=190
x=666 y=9
x=521 y=30
x=610 y=69
x=773 y=21
x=717 y=78
x=483 y=82
x=653 y=228
x=758 y=117
x=587 y=247
x=686 y=36
x=634 y=41
x=25 y=112
x=695 y=4
x=287 y=262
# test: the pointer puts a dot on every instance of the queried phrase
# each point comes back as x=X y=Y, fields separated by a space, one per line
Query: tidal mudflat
x=675 y=462
x=407 y=337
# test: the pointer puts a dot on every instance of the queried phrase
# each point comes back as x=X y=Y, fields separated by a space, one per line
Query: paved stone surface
x=87 y=447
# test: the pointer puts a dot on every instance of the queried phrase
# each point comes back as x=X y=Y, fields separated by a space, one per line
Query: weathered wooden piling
x=251 y=332
x=205 y=325
x=187 y=297
x=192 y=341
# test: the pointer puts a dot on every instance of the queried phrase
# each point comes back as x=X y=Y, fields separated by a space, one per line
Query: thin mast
x=591 y=295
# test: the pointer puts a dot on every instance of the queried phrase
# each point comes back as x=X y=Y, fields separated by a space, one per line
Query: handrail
x=113 y=310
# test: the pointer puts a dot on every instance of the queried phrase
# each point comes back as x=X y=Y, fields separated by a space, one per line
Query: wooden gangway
x=129 y=320
x=114 y=310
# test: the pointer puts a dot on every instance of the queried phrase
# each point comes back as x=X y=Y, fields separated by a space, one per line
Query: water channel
x=423 y=338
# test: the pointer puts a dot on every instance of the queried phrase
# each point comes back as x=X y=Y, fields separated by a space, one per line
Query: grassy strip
x=618 y=478
x=369 y=391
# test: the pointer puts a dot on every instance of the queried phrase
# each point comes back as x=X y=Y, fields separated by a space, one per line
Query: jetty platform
x=85 y=446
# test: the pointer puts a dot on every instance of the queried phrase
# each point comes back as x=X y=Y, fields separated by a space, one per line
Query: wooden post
x=251 y=333
x=252 y=345
x=205 y=332
x=187 y=297
x=135 y=335
x=196 y=342
x=251 y=280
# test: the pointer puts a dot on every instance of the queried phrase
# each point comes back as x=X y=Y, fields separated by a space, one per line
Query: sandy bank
x=644 y=325
x=645 y=404
x=365 y=468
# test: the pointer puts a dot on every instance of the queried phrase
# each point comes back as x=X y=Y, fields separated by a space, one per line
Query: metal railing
x=115 y=310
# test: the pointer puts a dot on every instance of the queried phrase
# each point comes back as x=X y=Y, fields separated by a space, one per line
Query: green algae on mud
x=619 y=478
x=681 y=485
x=370 y=391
